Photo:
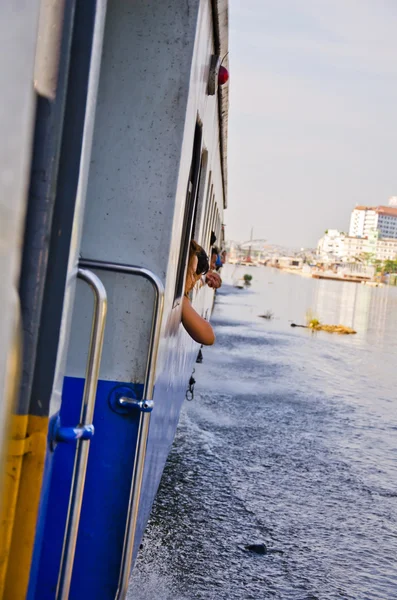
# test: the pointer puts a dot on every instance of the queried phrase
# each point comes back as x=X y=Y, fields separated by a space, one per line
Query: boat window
x=207 y=230
x=217 y=226
x=208 y=224
x=211 y=222
x=206 y=209
x=199 y=210
x=213 y=228
x=190 y=212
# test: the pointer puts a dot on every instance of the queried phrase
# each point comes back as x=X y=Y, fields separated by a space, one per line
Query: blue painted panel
x=104 y=509
x=102 y=523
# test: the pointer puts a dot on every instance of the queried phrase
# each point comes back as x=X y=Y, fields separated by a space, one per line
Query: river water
x=290 y=442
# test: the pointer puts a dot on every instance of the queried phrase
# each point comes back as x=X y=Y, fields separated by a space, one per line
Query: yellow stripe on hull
x=20 y=502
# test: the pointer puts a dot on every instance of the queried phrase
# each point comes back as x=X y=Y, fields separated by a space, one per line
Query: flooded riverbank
x=290 y=441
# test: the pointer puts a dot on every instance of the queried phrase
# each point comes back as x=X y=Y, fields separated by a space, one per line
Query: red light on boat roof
x=223 y=75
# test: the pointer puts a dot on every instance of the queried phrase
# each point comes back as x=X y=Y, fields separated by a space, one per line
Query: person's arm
x=198 y=328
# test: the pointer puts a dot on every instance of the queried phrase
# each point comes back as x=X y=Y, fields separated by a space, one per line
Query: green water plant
x=314 y=323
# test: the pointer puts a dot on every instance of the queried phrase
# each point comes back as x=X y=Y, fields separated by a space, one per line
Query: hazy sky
x=313 y=115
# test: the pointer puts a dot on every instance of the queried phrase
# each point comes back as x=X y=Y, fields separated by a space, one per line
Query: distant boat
x=373 y=283
x=248 y=262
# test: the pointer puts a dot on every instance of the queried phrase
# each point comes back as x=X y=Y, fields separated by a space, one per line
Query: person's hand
x=213 y=280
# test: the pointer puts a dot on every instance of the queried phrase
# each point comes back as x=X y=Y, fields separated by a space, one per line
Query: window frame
x=190 y=212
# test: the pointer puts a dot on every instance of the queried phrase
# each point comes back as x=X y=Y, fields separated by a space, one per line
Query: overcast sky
x=313 y=115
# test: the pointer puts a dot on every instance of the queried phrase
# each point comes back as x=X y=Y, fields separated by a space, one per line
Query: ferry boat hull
x=133 y=144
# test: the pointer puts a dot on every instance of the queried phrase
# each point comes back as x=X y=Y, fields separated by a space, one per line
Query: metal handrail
x=83 y=445
x=144 y=419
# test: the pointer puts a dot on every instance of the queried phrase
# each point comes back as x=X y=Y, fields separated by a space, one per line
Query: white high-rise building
x=362 y=221
x=387 y=221
x=367 y=219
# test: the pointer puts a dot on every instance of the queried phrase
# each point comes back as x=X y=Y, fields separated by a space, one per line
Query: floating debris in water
x=256 y=548
x=341 y=329
x=315 y=325
x=262 y=549
x=267 y=315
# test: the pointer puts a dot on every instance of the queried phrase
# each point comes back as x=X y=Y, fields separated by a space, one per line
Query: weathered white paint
x=152 y=91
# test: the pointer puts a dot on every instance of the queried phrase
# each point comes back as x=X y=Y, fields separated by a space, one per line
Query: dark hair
x=214 y=250
x=212 y=239
x=202 y=258
x=202 y=263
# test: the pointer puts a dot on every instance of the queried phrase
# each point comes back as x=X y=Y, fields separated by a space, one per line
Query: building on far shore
x=372 y=236
x=336 y=246
x=366 y=219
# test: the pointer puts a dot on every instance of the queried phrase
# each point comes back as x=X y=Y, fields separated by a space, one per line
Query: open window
x=190 y=211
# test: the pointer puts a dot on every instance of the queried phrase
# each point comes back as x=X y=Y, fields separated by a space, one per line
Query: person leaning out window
x=198 y=328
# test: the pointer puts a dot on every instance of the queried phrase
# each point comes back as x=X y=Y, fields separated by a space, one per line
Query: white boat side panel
x=136 y=158
x=203 y=107
x=140 y=167
x=18 y=31
x=139 y=130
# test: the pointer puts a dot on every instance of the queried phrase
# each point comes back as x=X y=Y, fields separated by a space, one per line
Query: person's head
x=197 y=265
x=212 y=239
x=214 y=256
